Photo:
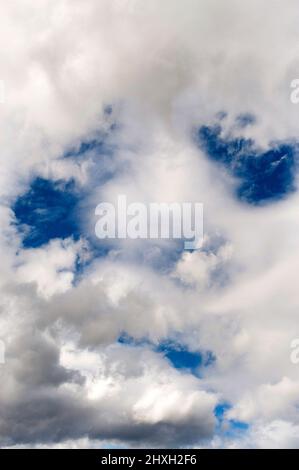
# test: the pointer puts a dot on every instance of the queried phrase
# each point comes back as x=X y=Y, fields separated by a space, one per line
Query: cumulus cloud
x=108 y=97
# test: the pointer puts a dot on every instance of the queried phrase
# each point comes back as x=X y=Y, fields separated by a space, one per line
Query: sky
x=140 y=343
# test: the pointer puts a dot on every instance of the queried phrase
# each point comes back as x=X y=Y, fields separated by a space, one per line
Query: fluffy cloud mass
x=138 y=342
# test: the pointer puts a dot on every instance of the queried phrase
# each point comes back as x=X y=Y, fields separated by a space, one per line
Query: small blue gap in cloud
x=238 y=425
x=263 y=176
x=87 y=146
x=99 y=151
x=178 y=354
x=55 y=209
x=46 y=211
x=99 y=141
x=51 y=210
x=221 y=409
x=232 y=426
x=126 y=339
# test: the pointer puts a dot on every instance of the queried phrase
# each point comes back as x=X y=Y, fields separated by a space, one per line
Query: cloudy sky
x=138 y=343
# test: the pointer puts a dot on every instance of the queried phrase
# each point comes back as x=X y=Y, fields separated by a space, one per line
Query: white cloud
x=165 y=67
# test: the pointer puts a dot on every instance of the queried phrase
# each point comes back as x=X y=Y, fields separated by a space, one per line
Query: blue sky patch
x=264 y=176
x=179 y=355
x=221 y=409
x=46 y=211
x=232 y=427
